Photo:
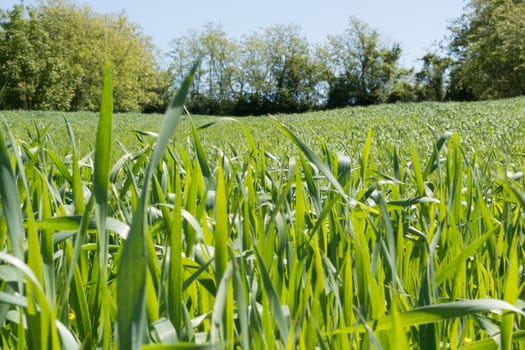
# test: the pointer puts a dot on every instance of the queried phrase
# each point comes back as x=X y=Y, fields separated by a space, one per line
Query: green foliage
x=51 y=54
x=431 y=79
x=384 y=234
x=488 y=45
x=365 y=68
x=277 y=70
x=270 y=71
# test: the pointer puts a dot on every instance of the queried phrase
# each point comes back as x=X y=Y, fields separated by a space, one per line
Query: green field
x=478 y=124
x=392 y=226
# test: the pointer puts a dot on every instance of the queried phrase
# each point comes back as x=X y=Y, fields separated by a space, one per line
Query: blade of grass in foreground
x=182 y=346
x=38 y=308
x=102 y=167
x=435 y=313
x=132 y=267
x=221 y=226
x=10 y=201
x=273 y=298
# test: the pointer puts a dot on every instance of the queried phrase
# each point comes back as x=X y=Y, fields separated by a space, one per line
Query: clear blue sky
x=416 y=24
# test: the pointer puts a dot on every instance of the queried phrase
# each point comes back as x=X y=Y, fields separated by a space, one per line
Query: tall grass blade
x=176 y=271
x=102 y=162
x=365 y=155
x=436 y=313
x=11 y=200
x=78 y=193
x=221 y=226
x=201 y=156
x=511 y=293
x=102 y=168
x=131 y=282
x=273 y=298
x=242 y=304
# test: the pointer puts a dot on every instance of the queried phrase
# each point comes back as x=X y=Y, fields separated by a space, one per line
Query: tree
x=277 y=70
x=488 y=46
x=51 y=57
x=364 y=68
x=18 y=69
x=254 y=82
x=214 y=89
x=403 y=89
x=431 y=79
x=269 y=71
x=291 y=71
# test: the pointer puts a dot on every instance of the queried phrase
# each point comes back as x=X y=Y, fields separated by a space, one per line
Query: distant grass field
x=480 y=125
x=393 y=226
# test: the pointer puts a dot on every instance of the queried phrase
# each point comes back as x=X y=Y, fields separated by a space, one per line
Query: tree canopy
x=52 y=54
x=271 y=70
x=276 y=69
x=51 y=58
x=365 y=69
x=488 y=45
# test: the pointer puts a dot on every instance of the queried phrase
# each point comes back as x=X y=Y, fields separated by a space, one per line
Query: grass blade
x=366 y=155
x=436 y=313
x=131 y=282
x=273 y=298
x=221 y=226
x=102 y=168
x=102 y=165
x=11 y=201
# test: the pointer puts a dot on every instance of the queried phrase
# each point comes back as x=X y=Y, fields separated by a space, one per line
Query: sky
x=417 y=25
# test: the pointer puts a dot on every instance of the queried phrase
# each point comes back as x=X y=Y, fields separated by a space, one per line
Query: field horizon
x=438 y=115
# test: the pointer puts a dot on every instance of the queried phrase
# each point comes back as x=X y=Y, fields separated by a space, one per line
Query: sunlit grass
x=382 y=227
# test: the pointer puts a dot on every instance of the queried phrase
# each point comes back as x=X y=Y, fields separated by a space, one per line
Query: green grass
x=382 y=227
x=343 y=130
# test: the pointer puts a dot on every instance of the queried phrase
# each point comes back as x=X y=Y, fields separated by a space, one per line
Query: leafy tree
x=254 y=82
x=403 y=89
x=214 y=89
x=51 y=58
x=18 y=70
x=276 y=70
x=431 y=79
x=267 y=71
x=364 y=68
x=489 y=48
x=291 y=74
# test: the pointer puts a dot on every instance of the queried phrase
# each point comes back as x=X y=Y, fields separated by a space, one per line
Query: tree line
x=51 y=58
x=277 y=70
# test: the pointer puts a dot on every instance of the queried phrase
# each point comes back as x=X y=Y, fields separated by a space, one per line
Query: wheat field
x=387 y=227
